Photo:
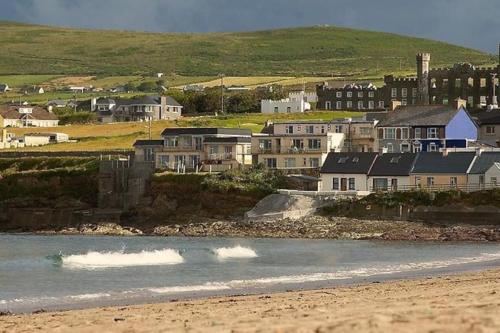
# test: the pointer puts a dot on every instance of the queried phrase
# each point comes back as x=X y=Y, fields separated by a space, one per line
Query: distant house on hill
x=136 y=109
x=57 y=103
x=4 y=88
x=36 y=90
x=26 y=116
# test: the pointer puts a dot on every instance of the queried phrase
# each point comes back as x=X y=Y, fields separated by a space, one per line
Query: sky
x=472 y=23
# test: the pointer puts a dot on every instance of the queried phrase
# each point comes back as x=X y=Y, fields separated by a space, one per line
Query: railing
x=437 y=188
x=294 y=150
x=183 y=147
x=225 y=156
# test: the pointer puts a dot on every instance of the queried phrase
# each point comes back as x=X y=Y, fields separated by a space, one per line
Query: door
x=343 y=184
x=394 y=184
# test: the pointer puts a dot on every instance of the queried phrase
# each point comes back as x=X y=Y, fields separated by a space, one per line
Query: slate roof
x=349 y=163
x=484 y=162
x=148 y=143
x=393 y=164
x=146 y=100
x=435 y=162
x=205 y=131
x=372 y=116
x=429 y=115
x=488 y=117
x=104 y=100
x=12 y=112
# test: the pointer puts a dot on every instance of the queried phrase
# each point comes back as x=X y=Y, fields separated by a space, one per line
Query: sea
x=44 y=273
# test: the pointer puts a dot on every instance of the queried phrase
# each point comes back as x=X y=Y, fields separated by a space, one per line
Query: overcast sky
x=473 y=23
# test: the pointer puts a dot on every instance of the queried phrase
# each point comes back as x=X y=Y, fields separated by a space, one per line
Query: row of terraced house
x=305 y=146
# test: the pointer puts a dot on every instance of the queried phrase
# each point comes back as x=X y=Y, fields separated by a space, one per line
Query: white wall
x=327 y=181
x=268 y=106
x=494 y=171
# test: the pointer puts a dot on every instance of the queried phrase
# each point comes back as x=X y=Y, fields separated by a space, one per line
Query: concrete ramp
x=283 y=206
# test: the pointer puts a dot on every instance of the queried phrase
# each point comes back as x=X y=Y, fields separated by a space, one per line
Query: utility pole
x=221 y=93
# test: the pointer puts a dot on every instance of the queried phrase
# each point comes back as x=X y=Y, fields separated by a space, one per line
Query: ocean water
x=64 y=272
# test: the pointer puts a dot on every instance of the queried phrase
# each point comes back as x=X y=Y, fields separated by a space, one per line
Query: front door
x=343 y=184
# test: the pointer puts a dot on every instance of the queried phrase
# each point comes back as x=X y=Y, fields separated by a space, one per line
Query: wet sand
x=457 y=303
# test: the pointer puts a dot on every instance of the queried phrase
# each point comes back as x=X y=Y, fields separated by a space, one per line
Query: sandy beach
x=457 y=303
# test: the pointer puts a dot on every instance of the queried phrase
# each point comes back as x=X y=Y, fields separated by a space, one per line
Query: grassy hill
x=315 y=51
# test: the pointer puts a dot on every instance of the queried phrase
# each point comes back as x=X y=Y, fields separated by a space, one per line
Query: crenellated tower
x=423 y=64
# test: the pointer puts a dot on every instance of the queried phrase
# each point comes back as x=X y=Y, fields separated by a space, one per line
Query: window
x=194 y=161
x=349 y=94
x=149 y=155
x=390 y=148
x=371 y=105
x=172 y=142
x=483 y=82
x=276 y=110
x=213 y=150
x=389 y=133
x=490 y=130
x=458 y=83
x=493 y=181
x=314 y=162
x=418 y=133
x=265 y=144
x=445 y=83
x=453 y=181
x=404 y=92
x=298 y=143
x=414 y=92
x=381 y=104
x=365 y=131
x=418 y=181
x=270 y=163
x=339 y=105
x=380 y=184
x=180 y=161
x=404 y=101
x=328 y=105
x=433 y=147
x=322 y=129
x=405 y=148
x=314 y=144
x=470 y=101
x=290 y=163
x=371 y=94
x=445 y=100
x=405 y=133
x=349 y=104
x=394 y=92
x=417 y=148
x=163 y=161
x=360 y=94
x=360 y=105
x=432 y=133
x=288 y=109
x=339 y=94
x=335 y=185
x=309 y=129
x=430 y=181
x=289 y=129
x=352 y=184
x=338 y=129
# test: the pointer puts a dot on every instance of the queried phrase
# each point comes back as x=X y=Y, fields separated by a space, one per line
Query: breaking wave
x=102 y=260
x=237 y=252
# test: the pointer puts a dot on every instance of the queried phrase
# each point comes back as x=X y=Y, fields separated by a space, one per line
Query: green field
x=123 y=135
x=314 y=51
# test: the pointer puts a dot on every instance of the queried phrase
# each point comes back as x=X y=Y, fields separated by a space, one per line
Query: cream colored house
x=295 y=144
x=197 y=149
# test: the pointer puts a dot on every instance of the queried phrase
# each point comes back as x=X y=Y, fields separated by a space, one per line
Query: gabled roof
x=434 y=162
x=428 y=115
x=206 y=131
x=393 y=164
x=12 y=112
x=484 y=161
x=349 y=163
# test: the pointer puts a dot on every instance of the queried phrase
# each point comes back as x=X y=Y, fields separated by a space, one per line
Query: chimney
x=459 y=103
x=394 y=105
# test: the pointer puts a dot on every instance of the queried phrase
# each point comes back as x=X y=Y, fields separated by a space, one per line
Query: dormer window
x=395 y=160
x=343 y=160
x=355 y=160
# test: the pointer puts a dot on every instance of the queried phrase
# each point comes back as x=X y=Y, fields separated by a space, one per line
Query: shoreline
x=313 y=227
x=459 y=302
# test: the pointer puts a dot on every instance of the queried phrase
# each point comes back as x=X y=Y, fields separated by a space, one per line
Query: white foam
x=237 y=252
x=185 y=289
x=96 y=260
x=90 y=296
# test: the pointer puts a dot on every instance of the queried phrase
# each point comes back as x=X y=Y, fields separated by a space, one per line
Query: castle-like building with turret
x=476 y=85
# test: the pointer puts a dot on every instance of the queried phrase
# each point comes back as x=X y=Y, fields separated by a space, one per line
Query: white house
x=27 y=116
x=287 y=105
x=484 y=162
x=306 y=96
x=391 y=172
x=347 y=172
x=492 y=176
